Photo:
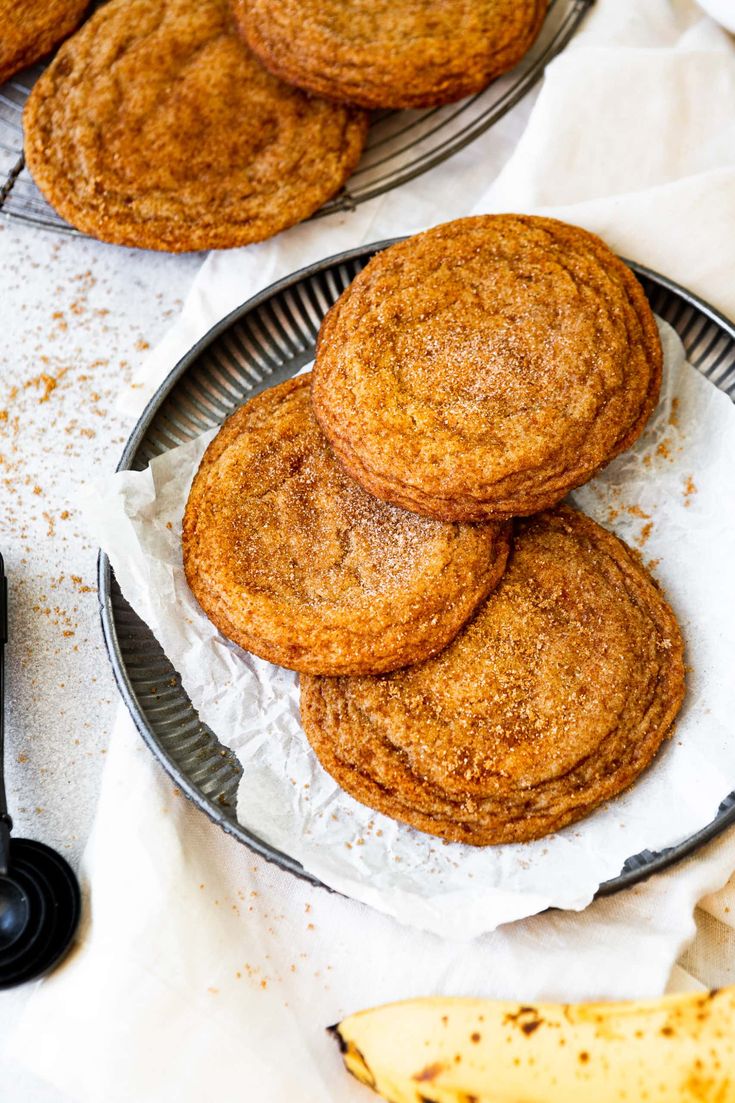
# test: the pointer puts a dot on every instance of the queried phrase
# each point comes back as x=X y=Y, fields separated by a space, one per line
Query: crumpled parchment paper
x=672 y=496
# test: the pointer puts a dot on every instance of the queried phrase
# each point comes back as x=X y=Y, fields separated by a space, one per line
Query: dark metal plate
x=264 y=341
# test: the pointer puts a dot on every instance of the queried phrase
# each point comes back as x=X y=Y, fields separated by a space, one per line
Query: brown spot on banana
x=429 y=1073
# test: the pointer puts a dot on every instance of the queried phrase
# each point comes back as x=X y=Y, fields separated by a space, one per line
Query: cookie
x=155 y=126
x=390 y=53
x=292 y=560
x=30 y=30
x=554 y=697
x=482 y=369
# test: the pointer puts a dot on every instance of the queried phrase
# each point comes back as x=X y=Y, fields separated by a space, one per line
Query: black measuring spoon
x=40 y=900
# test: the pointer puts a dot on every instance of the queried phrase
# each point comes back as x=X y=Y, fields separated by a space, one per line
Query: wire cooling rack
x=401 y=144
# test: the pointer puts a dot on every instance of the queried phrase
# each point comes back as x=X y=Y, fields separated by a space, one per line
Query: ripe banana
x=676 y=1049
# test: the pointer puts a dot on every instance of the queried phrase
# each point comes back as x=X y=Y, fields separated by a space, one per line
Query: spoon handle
x=5 y=821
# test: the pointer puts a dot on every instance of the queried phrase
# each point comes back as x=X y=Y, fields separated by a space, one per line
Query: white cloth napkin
x=202 y=969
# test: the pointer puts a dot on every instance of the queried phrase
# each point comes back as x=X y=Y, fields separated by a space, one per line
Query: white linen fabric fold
x=223 y=979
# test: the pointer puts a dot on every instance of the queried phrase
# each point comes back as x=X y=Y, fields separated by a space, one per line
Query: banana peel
x=675 y=1049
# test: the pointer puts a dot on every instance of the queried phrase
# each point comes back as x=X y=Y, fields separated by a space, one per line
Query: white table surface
x=82 y=314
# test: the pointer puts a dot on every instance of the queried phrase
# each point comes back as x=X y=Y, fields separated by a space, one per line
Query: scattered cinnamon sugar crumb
x=636 y=511
x=644 y=534
x=664 y=449
x=674 y=415
x=690 y=489
x=48 y=382
x=77 y=580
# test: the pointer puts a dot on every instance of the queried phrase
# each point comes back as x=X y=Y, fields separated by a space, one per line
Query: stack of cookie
x=179 y=125
x=477 y=660
x=28 y=31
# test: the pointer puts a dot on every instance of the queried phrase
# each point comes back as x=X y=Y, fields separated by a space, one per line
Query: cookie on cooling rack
x=292 y=560
x=553 y=698
x=390 y=53
x=30 y=30
x=482 y=369
x=155 y=126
